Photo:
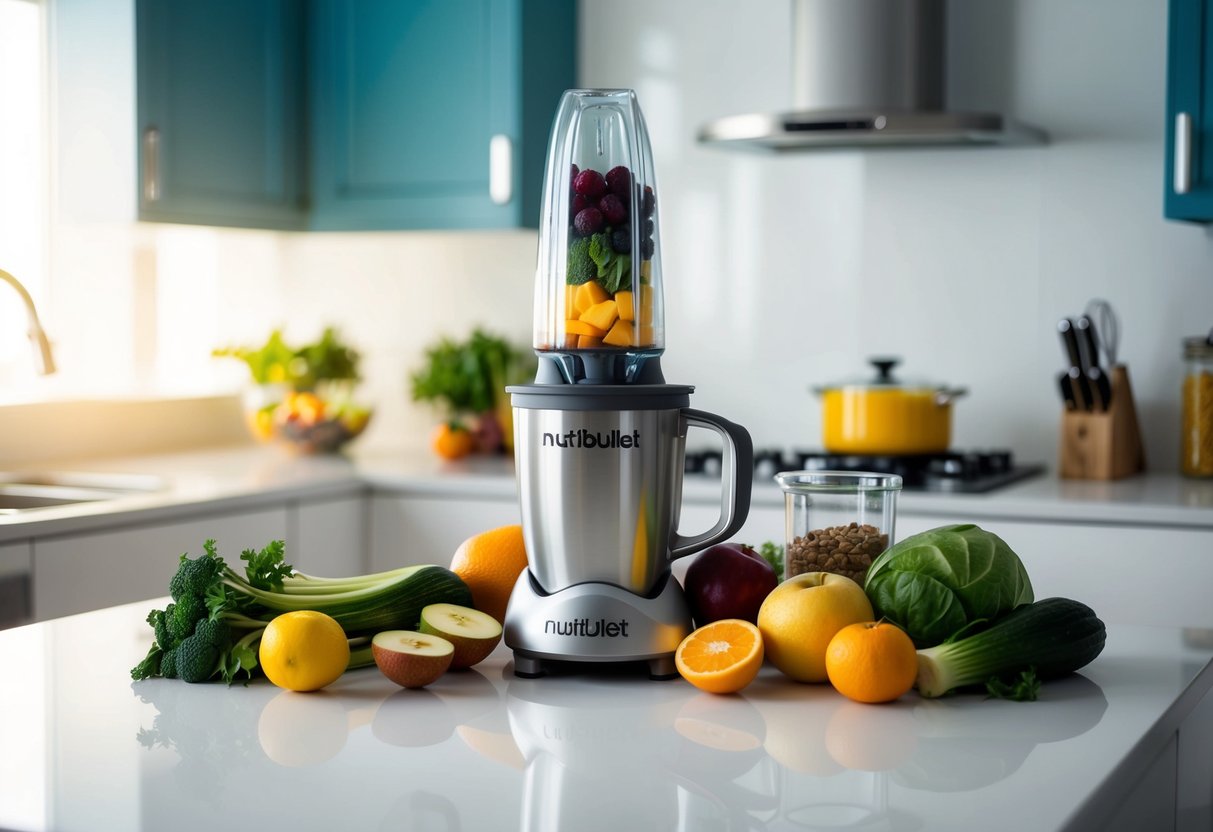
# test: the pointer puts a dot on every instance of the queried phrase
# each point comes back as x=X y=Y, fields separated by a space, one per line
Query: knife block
x=1103 y=445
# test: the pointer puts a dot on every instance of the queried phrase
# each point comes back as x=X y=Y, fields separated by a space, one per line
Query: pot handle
x=736 y=480
x=946 y=395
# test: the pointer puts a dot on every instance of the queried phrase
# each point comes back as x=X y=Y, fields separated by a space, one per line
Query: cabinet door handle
x=151 y=164
x=501 y=173
x=1182 y=157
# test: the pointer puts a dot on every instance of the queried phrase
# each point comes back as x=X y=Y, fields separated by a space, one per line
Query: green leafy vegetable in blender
x=582 y=268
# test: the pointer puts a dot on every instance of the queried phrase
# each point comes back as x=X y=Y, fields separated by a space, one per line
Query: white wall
x=787 y=272
x=782 y=273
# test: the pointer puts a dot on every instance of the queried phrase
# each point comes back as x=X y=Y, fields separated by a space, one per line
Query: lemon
x=304 y=650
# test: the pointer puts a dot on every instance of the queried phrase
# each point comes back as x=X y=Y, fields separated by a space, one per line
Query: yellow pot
x=884 y=416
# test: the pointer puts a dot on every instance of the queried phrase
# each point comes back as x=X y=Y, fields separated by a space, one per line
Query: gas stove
x=966 y=472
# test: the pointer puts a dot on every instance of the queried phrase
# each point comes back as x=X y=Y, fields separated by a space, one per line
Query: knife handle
x=1069 y=341
x=1067 y=391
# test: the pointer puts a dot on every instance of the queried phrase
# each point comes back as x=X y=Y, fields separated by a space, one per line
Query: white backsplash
x=782 y=272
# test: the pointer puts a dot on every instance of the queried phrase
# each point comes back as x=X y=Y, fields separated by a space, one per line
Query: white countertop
x=85 y=748
x=248 y=476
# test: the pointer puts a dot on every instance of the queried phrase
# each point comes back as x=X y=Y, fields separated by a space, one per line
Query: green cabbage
x=935 y=584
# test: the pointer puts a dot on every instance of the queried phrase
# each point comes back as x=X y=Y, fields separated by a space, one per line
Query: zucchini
x=1055 y=636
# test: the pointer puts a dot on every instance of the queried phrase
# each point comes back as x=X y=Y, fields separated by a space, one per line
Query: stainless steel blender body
x=600 y=481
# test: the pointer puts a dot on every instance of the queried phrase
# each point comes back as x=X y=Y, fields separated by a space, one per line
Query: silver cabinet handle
x=501 y=174
x=1183 y=153
x=151 y=164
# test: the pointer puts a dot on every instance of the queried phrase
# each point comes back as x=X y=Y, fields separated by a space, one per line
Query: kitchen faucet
x=44 y=361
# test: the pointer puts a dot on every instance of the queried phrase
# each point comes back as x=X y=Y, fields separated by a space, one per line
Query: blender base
x=595 y=623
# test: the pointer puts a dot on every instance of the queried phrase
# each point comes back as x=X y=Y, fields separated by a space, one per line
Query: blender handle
x=736 y=478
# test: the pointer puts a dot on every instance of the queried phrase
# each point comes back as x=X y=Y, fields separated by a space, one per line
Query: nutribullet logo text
x=587 y=628
x=583 y=438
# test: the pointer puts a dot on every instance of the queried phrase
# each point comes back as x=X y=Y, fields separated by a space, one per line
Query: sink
x=26 y=492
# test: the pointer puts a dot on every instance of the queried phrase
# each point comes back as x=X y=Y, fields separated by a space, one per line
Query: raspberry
x=621 y=239
x=613 y=209
x=588 y=221
x=650 y=202
x=573 y=171
x=590 y=183
x=619 y=180
x=580 y=203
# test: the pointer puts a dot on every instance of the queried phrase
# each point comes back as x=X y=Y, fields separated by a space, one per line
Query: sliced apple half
x=411 y=659
x=474 y=633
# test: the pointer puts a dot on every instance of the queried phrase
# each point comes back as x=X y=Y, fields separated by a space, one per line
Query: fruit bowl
x=306 y=422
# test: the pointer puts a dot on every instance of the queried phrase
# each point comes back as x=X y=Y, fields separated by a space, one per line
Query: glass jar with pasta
x=1196 y=431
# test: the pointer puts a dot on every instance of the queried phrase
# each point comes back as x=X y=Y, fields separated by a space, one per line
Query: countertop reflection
x=586 y=750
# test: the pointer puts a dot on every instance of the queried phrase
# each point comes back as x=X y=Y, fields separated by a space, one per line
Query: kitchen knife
x=1088 y=347
x=1067 y=391
x=1083 y=397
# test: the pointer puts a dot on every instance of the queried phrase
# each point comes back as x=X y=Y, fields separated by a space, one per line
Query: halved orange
x=721 y=657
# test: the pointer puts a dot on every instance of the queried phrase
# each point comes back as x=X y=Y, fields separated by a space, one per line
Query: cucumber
x=1056 y=636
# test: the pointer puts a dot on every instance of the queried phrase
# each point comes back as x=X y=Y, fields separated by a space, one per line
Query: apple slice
x=411 y=659
x=474 y=633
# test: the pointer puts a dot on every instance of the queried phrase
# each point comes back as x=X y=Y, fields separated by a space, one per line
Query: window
x=23 y=179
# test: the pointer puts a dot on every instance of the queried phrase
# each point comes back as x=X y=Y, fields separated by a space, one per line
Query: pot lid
x=883 y=379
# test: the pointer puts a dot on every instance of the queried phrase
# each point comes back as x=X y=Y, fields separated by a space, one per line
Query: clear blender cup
x=599 y=307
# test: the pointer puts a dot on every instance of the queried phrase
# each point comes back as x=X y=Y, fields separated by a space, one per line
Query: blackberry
x=621 y=239
x=613 y=209
x=649 y=202
x=588 y=221
x=647 y=248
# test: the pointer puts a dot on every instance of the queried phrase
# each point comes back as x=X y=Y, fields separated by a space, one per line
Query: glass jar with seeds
x=837 y=521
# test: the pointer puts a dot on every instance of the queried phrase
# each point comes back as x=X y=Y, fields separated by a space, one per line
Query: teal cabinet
x=1188 y=190
x=434 y=113
x=349 y=114
x=221 y=112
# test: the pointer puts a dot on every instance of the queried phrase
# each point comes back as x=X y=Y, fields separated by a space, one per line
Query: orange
x=303 y=650
x=721 y=657
x=490 y=563
x=871 y=662
x=451 y=440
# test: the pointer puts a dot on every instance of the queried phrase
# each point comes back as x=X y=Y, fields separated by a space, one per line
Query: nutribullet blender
x=599 y=437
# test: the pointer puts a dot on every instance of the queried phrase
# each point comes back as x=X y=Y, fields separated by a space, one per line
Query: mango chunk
x=627 y=311
x=601 y=315
x=588 y=342
x=620 y=334
x=570 y=302
x=645 y=313
x=589 y=294
x=583 y=328
x=647 y=336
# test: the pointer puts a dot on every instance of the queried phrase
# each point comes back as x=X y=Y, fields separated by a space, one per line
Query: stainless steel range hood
x=867 y=73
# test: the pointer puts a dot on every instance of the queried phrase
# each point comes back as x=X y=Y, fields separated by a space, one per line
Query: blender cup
x=837 y=521
x=599 y=312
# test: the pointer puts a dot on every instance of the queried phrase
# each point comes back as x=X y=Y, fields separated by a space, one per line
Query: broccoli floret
x=214 y=633
x=582 y=268
x=168 y=664
x=197 y=658
x=195 y=577
x=159 y=625
x=183 y=617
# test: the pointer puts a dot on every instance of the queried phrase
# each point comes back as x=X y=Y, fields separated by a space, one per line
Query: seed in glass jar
x=844 y=550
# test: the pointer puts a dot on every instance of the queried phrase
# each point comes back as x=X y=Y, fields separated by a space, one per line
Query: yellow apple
x=802 y=614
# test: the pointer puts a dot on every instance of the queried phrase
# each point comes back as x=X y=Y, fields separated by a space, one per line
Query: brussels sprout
x=940 y=582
